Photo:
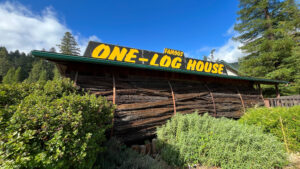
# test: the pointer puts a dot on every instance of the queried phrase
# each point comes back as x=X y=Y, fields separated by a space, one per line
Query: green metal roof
x=72 y=58
x=229 y=65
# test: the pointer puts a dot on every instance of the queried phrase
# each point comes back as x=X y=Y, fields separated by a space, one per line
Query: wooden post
x=173 y=97
x=76 y=77
x=277 y=91
x=114 y=102
x=114 y=90
x=213 y=100
x=241 y=98
x=262 y=97
x=278 y=102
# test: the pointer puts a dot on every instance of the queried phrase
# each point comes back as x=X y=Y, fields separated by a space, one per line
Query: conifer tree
x=41 y=70
x=5 y=62
x=56 y=74
x=9 y=77
x=69 y=45
x=52 y=50
x=17 y=76
x=267 y=32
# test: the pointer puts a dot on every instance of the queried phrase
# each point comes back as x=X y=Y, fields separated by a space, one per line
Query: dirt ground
x=294 y=158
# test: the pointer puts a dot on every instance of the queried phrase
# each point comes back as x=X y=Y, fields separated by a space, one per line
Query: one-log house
x=148 y=88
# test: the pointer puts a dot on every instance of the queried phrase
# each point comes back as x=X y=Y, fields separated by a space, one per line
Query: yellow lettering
x=215 y=68
x=165 y=61
x=220 y=71
x=166 y=50
x=172 y=52
x=175 y=63
x=207 y=67
x=131 y=55
x=191 y=64
x=105 y=49
x=117 y=54
x=153 y=60
x=200 y=66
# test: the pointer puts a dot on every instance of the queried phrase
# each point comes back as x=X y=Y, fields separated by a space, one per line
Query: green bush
x=269 y=120
x=193 y=139
x=54 y=127
x=118 y=156
x=14 y=94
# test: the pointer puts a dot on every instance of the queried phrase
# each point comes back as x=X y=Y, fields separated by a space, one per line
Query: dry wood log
x=159 y=103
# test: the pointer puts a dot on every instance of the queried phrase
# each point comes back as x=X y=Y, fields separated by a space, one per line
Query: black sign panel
x=137 y=56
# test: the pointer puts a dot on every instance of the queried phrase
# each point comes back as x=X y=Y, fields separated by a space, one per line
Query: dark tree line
x=18 y=67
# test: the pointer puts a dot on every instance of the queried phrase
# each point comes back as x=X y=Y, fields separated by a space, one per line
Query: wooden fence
x=285 y=101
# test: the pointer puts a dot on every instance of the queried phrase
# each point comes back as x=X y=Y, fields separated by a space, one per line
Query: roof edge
x=73 y=58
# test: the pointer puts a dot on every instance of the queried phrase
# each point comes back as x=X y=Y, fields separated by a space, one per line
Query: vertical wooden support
x=76 y=77
x=278 y=102
x=241 y=98
x=261 y=95
x=277 y=91
x=114 y=89
x=173 y=97
x=213 y=100
x=114 y=102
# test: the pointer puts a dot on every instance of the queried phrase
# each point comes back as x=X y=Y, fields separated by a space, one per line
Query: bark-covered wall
x=145 y=100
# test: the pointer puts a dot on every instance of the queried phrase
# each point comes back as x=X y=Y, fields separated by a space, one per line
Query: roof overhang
x=71 y=58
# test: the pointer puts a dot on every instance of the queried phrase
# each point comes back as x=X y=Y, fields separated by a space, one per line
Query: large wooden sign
x=169 y=59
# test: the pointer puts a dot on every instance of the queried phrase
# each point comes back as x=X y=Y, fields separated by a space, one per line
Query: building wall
x=145 y=99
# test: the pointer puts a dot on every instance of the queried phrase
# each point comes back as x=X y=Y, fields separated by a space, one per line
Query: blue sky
x=193 y=26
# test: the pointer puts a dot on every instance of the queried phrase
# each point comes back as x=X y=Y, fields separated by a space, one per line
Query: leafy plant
x=269 y=120
x=193 y=139
x=54 y=126
x=118 y=156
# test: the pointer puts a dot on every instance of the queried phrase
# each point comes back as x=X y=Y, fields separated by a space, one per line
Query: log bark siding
x=144 y=100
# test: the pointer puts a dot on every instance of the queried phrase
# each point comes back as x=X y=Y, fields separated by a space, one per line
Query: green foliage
x=51 y=126
x=69 y=45
x=269 y=32
x=193 y=139
x=118 y=156
x=12 y=76
x=5 y=63
x=9 y=77
x=269 y=120
x=14 y=94
x=56 y=74
x=41 y=71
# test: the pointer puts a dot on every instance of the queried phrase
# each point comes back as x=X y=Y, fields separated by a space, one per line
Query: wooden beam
x=114 y=89
x=262 y=97
x=213 y=100
x=76 y=77
x=114 y=102
x=241 y=98
x=173 y=97
x=277 y=91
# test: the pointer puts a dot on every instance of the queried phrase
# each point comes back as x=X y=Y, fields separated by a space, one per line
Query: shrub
x=14 y=94
x=269 y=120
x=55 y=127
x=118 y=156
x=193 y=139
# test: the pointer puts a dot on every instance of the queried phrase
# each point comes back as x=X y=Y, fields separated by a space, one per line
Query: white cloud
x=21 y=29
x=229 y=52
